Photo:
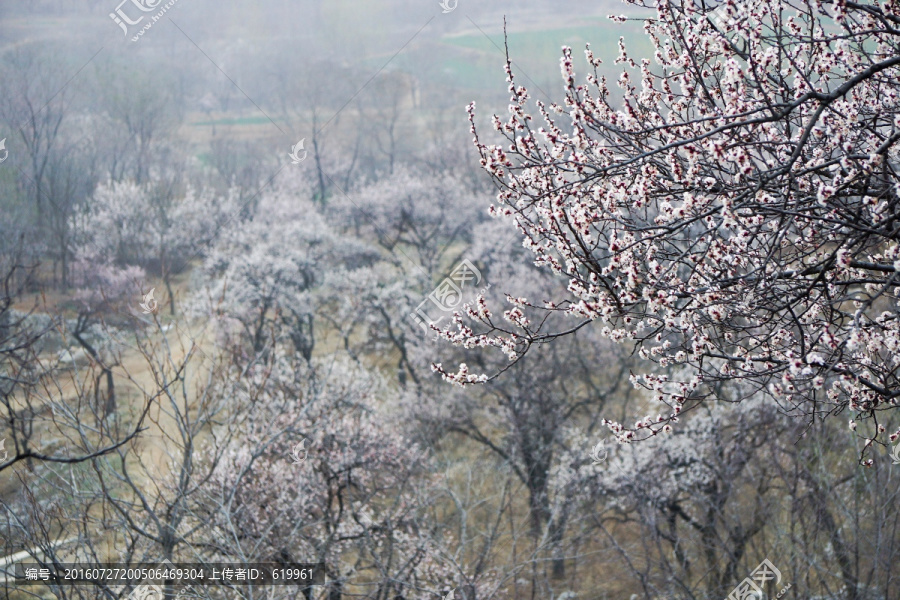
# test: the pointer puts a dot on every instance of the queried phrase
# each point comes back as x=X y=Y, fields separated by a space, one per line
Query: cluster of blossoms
x=731 y=210
x=348 y=500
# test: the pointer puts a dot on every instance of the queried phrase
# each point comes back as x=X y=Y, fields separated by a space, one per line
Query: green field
x=537 y=53
x=474 y=60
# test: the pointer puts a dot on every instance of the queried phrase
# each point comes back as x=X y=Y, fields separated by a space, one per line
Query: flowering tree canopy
x=268 y=285
x=349 y=499
x=731 y=209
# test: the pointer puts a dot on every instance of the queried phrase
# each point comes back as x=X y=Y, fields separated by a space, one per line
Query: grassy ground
x=536 y=53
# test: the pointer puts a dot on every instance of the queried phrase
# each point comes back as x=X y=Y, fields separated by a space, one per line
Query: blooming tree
x=693 y=512
x=102 y=289
x=264 y=273
x=730 y=209
x=418 y=217
x=153 y=225
x=36 y=400
x=316 y=475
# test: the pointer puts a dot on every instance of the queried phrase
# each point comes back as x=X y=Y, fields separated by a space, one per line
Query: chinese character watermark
x=4 y=153
x=121 y=18
x=895 y=454
x=183 y=593
x=730 y=19
x=448 y=295
x=37 y=574
x=751 y=588
x=146 y=592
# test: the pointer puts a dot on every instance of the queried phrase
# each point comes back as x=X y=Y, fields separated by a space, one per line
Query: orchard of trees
x=630 y=344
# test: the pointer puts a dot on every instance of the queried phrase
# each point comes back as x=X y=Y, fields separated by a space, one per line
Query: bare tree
x=34 y=400
x=37 y=105
x=387 y=101
x=141 y=114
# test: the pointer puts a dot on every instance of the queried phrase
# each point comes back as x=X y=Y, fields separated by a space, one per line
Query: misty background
x=170 y=427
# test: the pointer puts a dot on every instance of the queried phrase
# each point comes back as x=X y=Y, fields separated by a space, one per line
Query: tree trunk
x=110 y=407
x=321 y=178
x=557 y=531
x=167 y=279
x=106 y=372
x=841 y=553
